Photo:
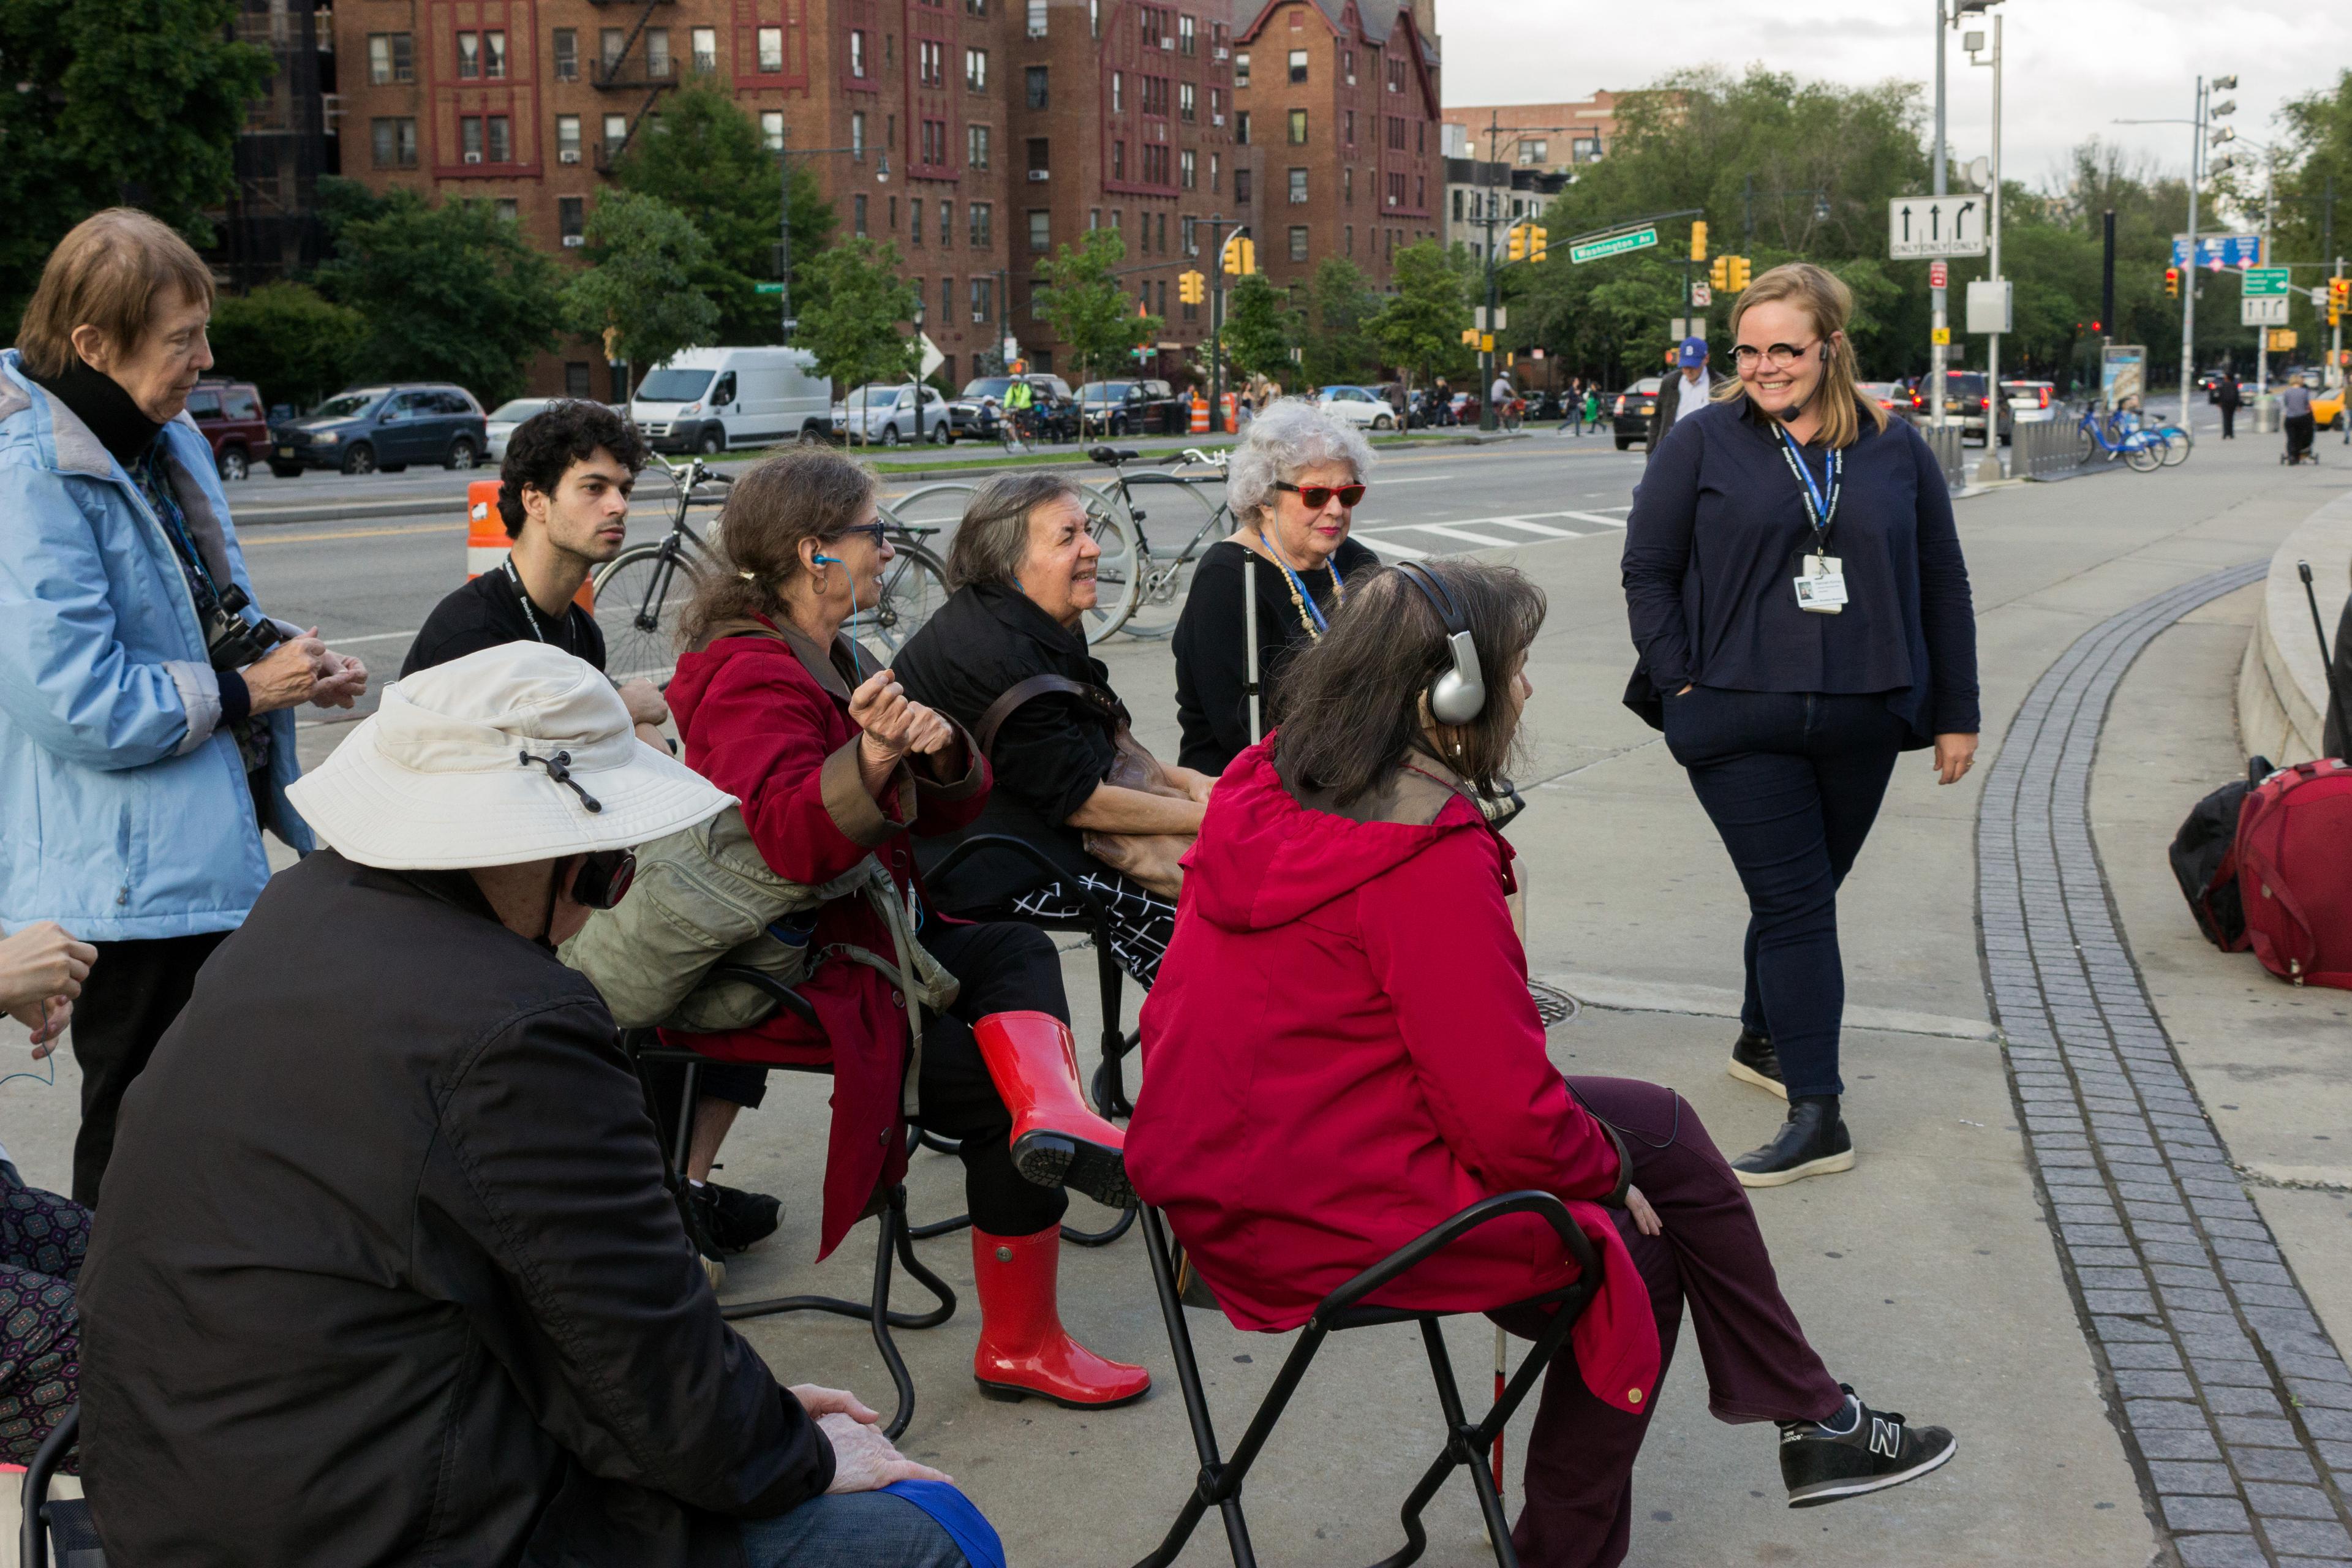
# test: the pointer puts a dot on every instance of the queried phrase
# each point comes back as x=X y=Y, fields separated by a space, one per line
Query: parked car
x=1632 y=409
x=971 y=417
x=1463 y=407
x=1357 y=405
x=716 y=400
x=500 y=422
x=1133 y=408
x=1892 y=395
x=229 y=414
x=1965 y=401
x=884 y=411
x=2027 y=402
x=369 y=429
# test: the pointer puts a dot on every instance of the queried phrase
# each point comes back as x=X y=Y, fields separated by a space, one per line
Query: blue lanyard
x=1339 y=588
x=1821 y=509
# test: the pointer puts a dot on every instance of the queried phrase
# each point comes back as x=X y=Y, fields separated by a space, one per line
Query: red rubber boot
x=1023 y=1349
x=1056 y=1141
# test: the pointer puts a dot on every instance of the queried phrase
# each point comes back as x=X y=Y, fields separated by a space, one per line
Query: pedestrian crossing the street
x=1413 y=541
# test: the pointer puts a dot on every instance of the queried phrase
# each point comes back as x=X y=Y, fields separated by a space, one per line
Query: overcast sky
x=2072 y=67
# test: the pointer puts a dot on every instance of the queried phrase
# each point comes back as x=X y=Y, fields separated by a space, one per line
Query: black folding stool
x=66 y=1521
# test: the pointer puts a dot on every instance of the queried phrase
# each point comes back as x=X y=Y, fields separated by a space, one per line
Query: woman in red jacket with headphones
x=1342 y=1053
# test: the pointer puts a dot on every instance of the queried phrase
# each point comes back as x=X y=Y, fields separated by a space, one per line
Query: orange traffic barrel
x=1200 y=414
x=486 y=543
x=1229 y=425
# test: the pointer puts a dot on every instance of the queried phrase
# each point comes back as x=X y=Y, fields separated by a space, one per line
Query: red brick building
x=979 y=134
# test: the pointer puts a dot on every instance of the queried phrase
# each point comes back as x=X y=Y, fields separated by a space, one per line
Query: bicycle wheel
x=2143 y=451
x=2086 y=445
x=1179 y=513
x=1116 y=570
x=914 y=587
x=640 y=594
x=2177 y=445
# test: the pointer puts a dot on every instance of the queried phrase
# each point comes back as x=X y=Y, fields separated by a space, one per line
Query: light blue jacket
x=124 y=811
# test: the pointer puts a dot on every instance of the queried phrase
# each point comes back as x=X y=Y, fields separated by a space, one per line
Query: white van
x=711 y=400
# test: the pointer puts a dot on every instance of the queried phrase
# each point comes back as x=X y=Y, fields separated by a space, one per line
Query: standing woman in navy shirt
x=1797 y=593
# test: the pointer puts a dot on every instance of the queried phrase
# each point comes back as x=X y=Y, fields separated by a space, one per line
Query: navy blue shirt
x=1713 y=549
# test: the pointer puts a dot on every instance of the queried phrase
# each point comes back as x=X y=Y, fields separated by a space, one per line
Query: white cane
x=1249 y=641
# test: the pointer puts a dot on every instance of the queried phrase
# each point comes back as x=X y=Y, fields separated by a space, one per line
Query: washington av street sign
x=1615 y=244
x=1934 y=225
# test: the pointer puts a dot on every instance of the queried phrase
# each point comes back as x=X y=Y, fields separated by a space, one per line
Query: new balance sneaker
x=737 y=1221
x=1855 y=1451
x=1753 y=1060
x=1812 y=1141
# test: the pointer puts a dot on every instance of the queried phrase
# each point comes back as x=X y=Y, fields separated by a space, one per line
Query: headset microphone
x=1795 y=411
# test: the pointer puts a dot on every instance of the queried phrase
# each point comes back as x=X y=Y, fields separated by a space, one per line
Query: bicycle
x=1141 y=581
x=2145 y=450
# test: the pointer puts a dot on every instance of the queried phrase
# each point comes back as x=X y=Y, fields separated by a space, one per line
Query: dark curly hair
x=543 y=448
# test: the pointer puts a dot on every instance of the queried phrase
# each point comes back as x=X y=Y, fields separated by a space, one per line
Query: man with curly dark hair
x=563 y=494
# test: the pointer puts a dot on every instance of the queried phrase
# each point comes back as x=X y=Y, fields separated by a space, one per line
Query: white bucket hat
x=464 y=765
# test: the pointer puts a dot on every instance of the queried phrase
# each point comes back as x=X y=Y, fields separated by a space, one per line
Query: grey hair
x=994 y=537
x=1292 y=436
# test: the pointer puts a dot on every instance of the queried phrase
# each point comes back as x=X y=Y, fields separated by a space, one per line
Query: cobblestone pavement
x=2235 y=1405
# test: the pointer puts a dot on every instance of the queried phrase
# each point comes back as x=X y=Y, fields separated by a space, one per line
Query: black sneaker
x=696 y=1215
x=735 y=1221
x=1812 y=1141
x=1857 y=1451
x=1753 y=1060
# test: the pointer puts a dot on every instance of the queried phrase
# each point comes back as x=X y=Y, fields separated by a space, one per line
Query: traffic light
x=2172 y=282
x=1720 y=273
x=1698 y=240
x=1516 y=243
x=1191 y=287
x=1241 y=255
x=2339 y=299
x=1538 y=237
x=1739 y=270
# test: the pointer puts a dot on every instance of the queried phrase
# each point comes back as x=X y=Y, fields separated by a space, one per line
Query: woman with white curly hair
x=1294 y=484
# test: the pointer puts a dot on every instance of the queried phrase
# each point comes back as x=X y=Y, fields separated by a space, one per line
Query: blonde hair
x=1829 y=304
x=106 y=273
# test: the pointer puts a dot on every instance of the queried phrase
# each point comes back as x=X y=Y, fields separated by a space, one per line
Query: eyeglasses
x=878 y=532
x=1780 y=356
x=1318 y=496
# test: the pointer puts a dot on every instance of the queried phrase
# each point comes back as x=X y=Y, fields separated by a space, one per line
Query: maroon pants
x=1579 y=1473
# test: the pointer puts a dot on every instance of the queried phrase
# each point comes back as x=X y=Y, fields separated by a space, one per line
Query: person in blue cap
x=1684 y=392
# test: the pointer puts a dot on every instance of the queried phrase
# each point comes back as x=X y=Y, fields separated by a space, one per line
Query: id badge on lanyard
x=1821 y=582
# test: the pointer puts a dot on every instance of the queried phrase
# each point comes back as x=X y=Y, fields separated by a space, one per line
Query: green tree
x=296 y=346
x=1419 y=330
x=131 y=102
x=451 y=292
x=1257 y=329
x=852 y=326
x=706 y=157
x=645 y=253
x=1335 y=345
x=1088 y=309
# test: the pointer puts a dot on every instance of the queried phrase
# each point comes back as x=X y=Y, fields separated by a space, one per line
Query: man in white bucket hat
x=388 y=1271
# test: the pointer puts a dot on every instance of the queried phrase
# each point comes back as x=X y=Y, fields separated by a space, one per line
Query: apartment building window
x=1347 y=185
x=469 y=137
x=470 y=55
x=1299 y=127
x=1534 y=152
x=1094 y=219
x=975 y=70
x=1396 y=133
x=1396 y=190
x=1040 y=156
x=391 y=57
x=1036 y=18
x=984 y=226
x=567 y=138
x=571 y=216
x=616 y=135
x=1155 y=166
x=946 y=225
x=1298 y=242
x=1242 y=187
x=1216 y=166
x=857 y=135
x=609 y=42
x=1241 y=70
x=935 y=141
x=975 y=8
x=983 y=300
x=1164 y=243
x=1191 y=236
x=501 y=138
x=1297 y=67
x=771 y=129
x=395 y=143
x=1117 y=91
x=1297 y=187
x=914 y=221
x=858 y=217
x=772 y=50
x=1163 y=300
x=1184 y=162
x=975 y=146
x=857 y=52
x=1396 y=74
x=1034 y=80
x=567 y=54
x=1241 y=128
x=1349 y=242
x=1217 y=106
x=1155 y=96
x=1041 y=230
x=1350 y=137
x=657 y=61
x=705 y=49
x=494 y=55
x=930 y=62
x=1347 y=65
x=1186 y=43
x=1118 y=159
x=1119 y=222
x=1185 y=108
x=1457 y=206
x=1421 y=192
x=947 y=306
x=577 y=382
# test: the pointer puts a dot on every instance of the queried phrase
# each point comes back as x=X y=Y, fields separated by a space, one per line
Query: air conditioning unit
x=473 y=157
x=574 y=241
x=1168 y=44
x=1391 y=201
x=1039 y=176
x=1351 y=78
x=1218 y=54
x=571 y=157
x=1216 y=120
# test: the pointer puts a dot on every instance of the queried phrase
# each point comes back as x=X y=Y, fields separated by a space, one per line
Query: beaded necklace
x=1309 y=614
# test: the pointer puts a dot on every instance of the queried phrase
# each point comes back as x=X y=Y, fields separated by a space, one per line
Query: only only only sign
x=1934 y=225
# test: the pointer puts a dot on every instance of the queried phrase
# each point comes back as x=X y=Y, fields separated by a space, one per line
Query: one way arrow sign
x=1934 y=225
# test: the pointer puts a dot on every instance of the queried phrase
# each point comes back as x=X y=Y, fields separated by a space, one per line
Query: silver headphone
x=1459 y=695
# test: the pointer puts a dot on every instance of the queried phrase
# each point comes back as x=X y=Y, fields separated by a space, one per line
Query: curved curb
x=2234 y=1405
x=2282 y=688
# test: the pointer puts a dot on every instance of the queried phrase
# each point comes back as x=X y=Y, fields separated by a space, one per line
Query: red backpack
x=2295 y=873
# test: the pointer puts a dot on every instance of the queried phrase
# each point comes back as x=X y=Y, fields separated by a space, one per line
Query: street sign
x=1988 y=305
x=1702 y=296
x=1934 y=225
x=2262 y=309
x=2219 y=250
x=1615 y=245
x=2281 y=340
x=1501 y=322
x=1939 y=276
x=932 y=358
x=1940 y=336
x=1486 y=343
x=2262 y=281
x=767 y=288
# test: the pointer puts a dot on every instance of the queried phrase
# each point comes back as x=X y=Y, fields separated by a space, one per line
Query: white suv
x=885 y=412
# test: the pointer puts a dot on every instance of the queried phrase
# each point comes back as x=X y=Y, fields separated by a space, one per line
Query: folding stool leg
x=1217 y=1482
x=689 y=1094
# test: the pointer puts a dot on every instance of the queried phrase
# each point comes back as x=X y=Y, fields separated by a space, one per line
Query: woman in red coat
x=1342 y=1053
x=834 y=764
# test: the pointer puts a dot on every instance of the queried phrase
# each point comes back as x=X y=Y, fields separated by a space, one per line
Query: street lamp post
x=1938 y=356
x=1487 y=418
x=784 y=221
x=1994 y=401
x=918 y=378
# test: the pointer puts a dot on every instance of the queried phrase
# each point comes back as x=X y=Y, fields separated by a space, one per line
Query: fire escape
x=629 y=72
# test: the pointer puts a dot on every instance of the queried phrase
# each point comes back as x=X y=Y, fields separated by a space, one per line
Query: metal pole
x=1994 y=402
x=1487 y=419
x=2189 y=262
x=1936 y=357
x=2107 y=278
x=2262 y=334
x=784 y=237
x=1249 y=644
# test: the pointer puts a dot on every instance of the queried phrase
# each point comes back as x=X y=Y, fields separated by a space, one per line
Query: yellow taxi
x=2326 y=409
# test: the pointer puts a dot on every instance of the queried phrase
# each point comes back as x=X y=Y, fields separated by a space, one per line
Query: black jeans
x=1792 y=782
x=2228 y=422
x=134 y=991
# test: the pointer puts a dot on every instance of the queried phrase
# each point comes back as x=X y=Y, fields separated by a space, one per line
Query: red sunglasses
x=1318 y=496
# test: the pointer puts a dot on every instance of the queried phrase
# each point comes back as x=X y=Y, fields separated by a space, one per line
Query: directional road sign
x=1934 y=225
x=2262 y=311
x=2262 y=280
x=767 y=288
x=1615 y=245
x=932 y=358
x=2219 y=250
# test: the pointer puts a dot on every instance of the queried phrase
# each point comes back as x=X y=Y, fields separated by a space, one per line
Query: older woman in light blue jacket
x=146 y=709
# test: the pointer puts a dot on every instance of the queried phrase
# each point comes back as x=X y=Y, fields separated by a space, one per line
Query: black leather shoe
x=1812 y=1143
x=1753 y=1060
x=734 y=1220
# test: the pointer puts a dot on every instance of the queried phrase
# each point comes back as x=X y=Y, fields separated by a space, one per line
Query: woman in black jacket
x=1294 y=484
x=1797 y=593
x=1023 y=567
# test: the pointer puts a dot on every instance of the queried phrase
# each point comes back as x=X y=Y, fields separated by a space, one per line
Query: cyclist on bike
x=1020 y=405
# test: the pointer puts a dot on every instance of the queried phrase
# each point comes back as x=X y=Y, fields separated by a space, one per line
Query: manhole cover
x=1553 y=1005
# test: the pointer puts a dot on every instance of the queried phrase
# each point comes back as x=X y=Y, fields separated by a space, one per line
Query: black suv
x=367 y=429
x=1133 y=408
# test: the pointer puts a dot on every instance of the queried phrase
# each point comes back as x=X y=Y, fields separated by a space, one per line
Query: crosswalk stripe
x=1545 y=529
x=1595 y=517
x=1449 y=532
x=1392 y=547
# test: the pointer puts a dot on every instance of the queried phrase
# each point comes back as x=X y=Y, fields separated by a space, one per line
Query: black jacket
x=1212 y=635
x=387 y=1274
x=1048 y=756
